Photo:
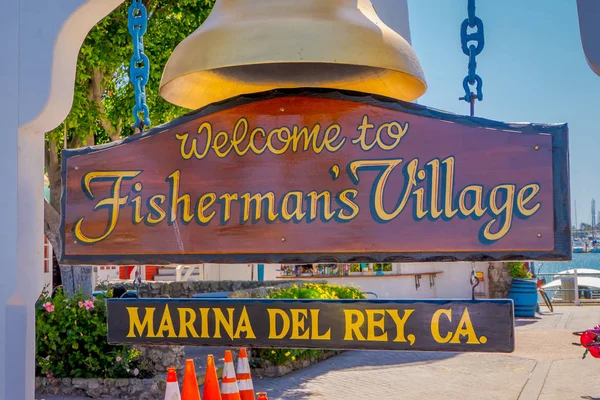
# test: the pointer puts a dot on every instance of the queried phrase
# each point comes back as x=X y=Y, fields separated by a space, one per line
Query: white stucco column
x=39 y=47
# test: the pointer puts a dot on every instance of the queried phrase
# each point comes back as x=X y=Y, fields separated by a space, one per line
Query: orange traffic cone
x=172 y=390
x=229 y=387
x=190 y=384
x=211 y=381
x=262 y=396
x=243 y=376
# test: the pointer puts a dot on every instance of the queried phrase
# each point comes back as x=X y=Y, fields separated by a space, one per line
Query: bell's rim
x=209 y=87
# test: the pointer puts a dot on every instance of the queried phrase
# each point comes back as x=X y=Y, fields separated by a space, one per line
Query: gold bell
x=249 y=46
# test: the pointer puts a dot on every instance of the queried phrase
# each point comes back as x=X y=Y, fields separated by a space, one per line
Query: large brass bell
x=249 y=46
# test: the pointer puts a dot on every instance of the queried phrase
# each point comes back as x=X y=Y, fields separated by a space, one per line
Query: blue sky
x=533 y=69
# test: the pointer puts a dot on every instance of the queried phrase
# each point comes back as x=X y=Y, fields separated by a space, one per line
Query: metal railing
x=572 y=284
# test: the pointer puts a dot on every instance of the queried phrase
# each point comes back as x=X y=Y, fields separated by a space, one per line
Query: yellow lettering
x=235 y=141
x=258 y=199
x=244 y=326
x=113 y=203
x=506 y=209
x=522 y=200
x=187 y=317
x=362 y=137
x=155 y=209
x=222 y=321
x=220 y=141
x=204 y=203
x=166 y=324
x=394 y=130
x=285 y=141
x=176 y=199
x=449 y=211
x=326 y=205
x=204 y=323
x=298 y=213
x=381 y=181
x=252 y=144
x=193 y=152
x=400 y=323
x=135 y=323
x=310 y=139
x=328 y=141
x=346 y=198
x=354 y=319
x=372 y=323
x=227 y=199
x=465 y=328
x=314 y=316
x=137 y=210
x=435 y=188
x=285 y=319
x=298 y=329
x=477 y=207
x=420 y=208
x=435 y=325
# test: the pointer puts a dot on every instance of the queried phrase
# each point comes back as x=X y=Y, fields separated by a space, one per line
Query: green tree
x=104 y=98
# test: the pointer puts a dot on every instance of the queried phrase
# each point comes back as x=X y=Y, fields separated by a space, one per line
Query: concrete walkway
x=544 y=366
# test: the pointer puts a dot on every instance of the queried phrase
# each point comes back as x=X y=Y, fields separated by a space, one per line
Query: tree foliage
x=103 y=97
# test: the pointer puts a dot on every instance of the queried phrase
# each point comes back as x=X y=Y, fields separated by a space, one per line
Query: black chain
x=472 y=45
x=139 y=66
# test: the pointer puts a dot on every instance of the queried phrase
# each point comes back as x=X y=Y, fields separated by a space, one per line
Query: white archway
x=40 y=44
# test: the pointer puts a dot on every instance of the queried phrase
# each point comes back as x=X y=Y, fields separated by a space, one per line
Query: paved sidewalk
x=545 y=366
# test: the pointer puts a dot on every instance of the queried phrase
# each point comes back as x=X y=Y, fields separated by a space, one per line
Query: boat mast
x=576 y=226
x=593 y=220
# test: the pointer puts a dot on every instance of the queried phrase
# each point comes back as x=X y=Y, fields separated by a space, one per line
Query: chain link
x=139 y=66
x=472 y=45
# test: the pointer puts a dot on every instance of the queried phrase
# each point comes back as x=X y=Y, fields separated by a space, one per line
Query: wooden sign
x=418 y=325
x=309 y=176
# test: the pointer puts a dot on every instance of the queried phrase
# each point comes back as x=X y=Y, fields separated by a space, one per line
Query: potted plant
x=523 y=289
x=519 y=270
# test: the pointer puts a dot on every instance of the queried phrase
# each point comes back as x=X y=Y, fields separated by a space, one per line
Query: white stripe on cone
x=172 y=391
x=245 y=384
x=229 y=387
x=243 y=367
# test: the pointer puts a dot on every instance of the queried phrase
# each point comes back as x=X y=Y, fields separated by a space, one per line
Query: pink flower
x=118 y=359
x=48 y=306
x=89 y=304
x=136 y=372
x=47 y=358
x=80 y=304
x=49 y=374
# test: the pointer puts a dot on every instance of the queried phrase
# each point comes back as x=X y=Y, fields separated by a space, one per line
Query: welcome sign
x=418 y=325
x=308 y=176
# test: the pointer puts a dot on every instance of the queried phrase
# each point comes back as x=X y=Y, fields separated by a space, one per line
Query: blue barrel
x=524 y=294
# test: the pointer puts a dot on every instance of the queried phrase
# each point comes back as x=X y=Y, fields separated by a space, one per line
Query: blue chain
x=139 y=66
x=472 y=44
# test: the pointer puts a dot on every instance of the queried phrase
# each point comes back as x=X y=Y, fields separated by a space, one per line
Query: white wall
x=229 y=272
x=451 y=282
x=272 y=271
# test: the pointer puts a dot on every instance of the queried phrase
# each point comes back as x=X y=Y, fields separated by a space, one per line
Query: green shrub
x=519 y=270
x=305 y=291
x=316 y=291
x=71 y=340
